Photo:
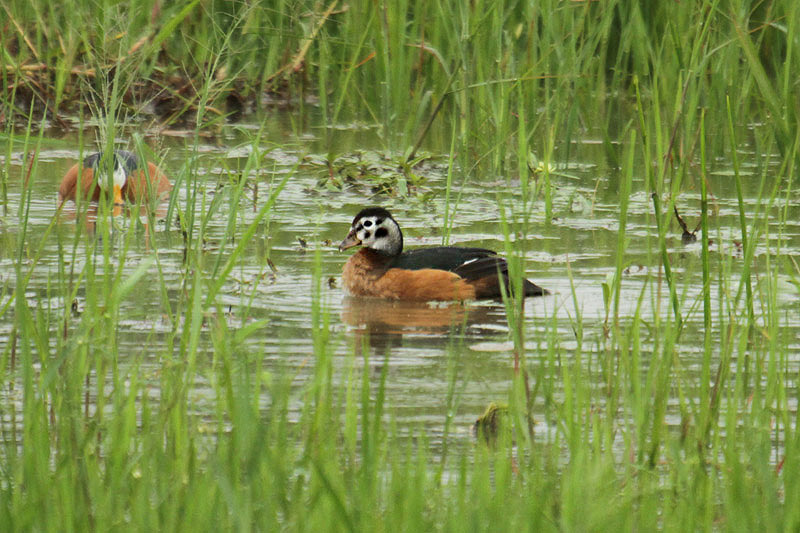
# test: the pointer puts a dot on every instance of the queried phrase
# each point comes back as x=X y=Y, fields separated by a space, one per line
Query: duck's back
x=438 y=273
x=439 y=257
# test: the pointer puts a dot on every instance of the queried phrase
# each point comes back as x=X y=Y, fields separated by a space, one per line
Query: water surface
x=426 y=347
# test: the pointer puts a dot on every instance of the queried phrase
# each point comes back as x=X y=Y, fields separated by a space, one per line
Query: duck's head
x=374 y=228
x=124 y=164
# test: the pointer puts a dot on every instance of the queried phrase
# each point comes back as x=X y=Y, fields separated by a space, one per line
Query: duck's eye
x=367 y=223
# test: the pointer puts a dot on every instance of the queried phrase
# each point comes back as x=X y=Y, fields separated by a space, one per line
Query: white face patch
x=379 y=233
x=119 y=177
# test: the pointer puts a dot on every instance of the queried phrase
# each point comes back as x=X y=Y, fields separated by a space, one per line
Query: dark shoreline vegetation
x=693 y=107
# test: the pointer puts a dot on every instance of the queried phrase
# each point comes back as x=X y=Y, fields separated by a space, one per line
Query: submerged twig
x=687 y=236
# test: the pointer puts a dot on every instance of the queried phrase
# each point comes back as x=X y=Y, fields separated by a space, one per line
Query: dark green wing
x=450 y=258
x=479 y=265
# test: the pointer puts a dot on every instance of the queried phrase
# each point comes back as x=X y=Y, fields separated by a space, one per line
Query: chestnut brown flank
x=362 y=278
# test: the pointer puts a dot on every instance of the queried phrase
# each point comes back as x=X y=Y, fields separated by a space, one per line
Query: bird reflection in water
x=383 y=323
x=87 y=213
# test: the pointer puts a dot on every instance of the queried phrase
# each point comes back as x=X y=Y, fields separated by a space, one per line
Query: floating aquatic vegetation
x=389 y=175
